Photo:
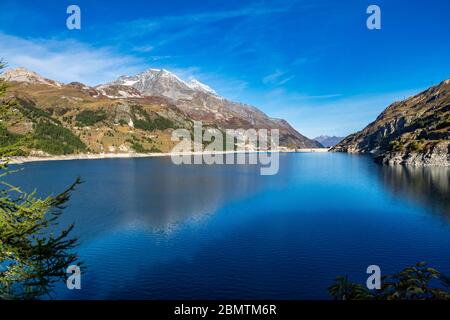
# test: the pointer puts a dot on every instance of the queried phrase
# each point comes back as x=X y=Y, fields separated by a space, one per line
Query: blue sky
x=314 y=63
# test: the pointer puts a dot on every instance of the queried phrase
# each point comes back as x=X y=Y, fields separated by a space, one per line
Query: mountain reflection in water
x=149 y=229
x=428 y=186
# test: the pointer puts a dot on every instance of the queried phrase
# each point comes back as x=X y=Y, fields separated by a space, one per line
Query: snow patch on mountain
x=198 y=86
x=163 y=82
x=118 y=91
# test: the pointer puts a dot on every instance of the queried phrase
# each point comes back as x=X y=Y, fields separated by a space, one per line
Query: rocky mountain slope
x=415 y=131
x=328 y=141
x=200 y=102
x=132 y=114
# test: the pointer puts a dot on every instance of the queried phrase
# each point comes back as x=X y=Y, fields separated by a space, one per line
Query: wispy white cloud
x=281 y=94
x=166 y=30
x=145 y=26
x=273 y=77
x=278 y=77
x=232 y=89
x=186 y=73
x=227 y=87
x=143 y=49
x=67 y=60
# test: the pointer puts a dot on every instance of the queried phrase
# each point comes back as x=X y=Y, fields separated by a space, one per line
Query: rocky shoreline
x=437 y=156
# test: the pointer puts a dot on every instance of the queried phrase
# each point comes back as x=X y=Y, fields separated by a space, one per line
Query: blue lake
x=149 y=229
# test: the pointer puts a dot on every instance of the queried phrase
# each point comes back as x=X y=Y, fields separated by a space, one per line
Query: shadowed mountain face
x=131 y=114
x=415 y=131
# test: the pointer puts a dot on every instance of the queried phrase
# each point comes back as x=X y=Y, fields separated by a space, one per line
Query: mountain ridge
x=201 y=102
x=119 y=117
x=415 y=131
x=328 y=141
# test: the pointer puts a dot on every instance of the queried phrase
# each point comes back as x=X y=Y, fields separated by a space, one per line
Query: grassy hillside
x=43 y=120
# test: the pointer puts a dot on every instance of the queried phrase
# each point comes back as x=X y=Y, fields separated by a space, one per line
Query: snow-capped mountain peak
x=163 y=82
x=180 y=101
x=198 y=86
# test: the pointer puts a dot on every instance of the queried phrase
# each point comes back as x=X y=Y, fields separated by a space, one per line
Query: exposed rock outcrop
x=200 y=102
x=415 y=131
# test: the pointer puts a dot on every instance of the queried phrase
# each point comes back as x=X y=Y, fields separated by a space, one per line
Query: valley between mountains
x=136 y=115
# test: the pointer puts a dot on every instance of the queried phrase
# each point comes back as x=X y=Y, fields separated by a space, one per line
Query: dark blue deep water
x=152 y=230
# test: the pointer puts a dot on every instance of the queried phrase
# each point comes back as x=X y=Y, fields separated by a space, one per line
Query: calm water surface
x=152 y=230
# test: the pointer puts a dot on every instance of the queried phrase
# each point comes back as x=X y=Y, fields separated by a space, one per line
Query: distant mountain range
x=415 y=131
x=328 y=141
x=131 y=114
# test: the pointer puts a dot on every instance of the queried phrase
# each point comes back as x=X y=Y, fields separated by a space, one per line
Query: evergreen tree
x=32 y=259
x=418 y=282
